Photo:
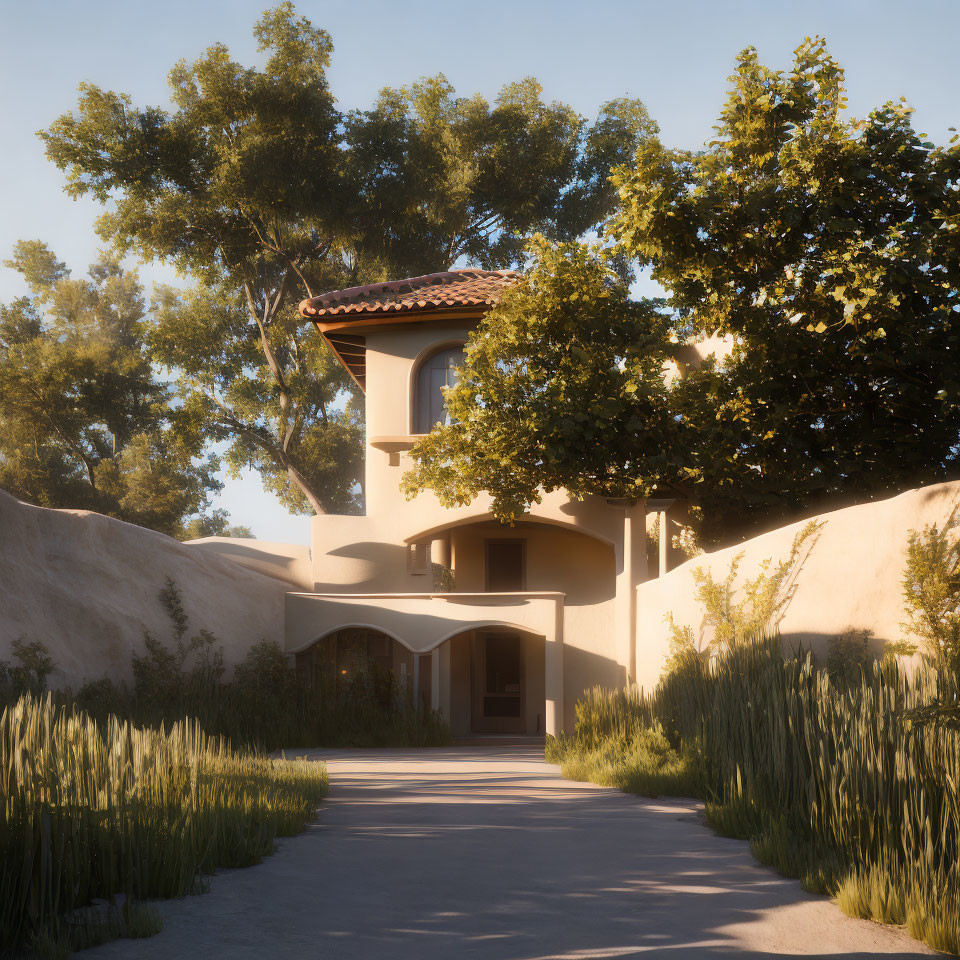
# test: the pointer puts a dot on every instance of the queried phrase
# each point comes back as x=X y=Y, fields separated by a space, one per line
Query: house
x=538 y=612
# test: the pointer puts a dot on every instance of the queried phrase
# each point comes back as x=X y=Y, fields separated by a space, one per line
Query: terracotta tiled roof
x=453 y=288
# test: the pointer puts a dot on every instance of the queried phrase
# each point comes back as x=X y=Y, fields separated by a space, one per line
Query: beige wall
x=850 y=578
x=289 y=562
x=87 y=586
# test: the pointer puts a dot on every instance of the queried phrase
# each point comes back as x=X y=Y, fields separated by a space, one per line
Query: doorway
x=498 y=703
x=506 y=565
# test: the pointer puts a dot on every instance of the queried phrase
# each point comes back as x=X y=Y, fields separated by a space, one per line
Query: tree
x=216 y=523
x=826 y=248
x=257 y=188
x=226 y=382
x=562 y=387
x=434 y=177
x=84 y=423
x=829 y=248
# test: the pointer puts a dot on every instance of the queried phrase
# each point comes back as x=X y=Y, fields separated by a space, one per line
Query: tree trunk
x=297 y=478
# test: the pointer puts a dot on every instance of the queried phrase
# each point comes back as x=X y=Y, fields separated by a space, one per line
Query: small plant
x=931 y=592
x=682 y=645
x=762 y=607
x=444 y=579
x=893 y=650
x=848 y=655
x=164 y=678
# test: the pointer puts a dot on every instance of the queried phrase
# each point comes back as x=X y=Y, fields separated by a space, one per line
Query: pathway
x=486 y=853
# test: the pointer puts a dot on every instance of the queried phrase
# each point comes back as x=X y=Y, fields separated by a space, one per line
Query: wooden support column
x=444 y=653
x=435 y=679
x=416 y=681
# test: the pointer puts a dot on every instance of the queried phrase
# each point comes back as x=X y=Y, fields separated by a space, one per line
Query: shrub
x=849 y=655
x=764 y=601
x=30 y=671
x=931 y=591
x=266 y=704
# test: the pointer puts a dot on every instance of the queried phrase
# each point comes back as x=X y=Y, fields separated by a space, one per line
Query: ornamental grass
x=849 y=785
x=96 y=818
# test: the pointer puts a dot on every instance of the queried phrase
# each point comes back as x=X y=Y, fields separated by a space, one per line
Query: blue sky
x=674 y=56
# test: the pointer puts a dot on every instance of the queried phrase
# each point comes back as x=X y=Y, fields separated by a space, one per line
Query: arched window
x=436 y=372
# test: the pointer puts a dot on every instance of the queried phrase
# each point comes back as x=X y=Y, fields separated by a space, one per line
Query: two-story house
x=538 y=612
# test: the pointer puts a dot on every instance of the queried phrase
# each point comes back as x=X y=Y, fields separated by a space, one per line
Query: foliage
x=266 y=704
x=827 y=248
x=645 y=764
x=931 y=592
x=30 y=671
x=824 y=249
x=161 y=679
x=452 y=177
x=256 y=187
x=561 y=388
x=893 y=649
x=849 y=655
x=215 y=523
x=764 y=601
x=114 y=812
x=276 y=396
x=84 y=421
x=829 y=780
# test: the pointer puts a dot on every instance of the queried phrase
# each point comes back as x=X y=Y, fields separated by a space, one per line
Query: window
x=418 y=558
x=436 y=372
x=344 y=654
x=506 y=566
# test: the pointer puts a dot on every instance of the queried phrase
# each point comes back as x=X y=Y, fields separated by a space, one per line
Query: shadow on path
x=486 y=853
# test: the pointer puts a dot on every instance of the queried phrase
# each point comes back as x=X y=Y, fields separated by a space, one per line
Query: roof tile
x=452 y=288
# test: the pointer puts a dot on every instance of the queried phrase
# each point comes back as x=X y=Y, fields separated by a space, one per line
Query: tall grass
x=276 y=710
x=99 y=814
x=833 y=782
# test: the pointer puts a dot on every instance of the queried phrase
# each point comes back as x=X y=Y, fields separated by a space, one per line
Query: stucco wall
x=87 y=586
x=289 y=562
x=849 y=578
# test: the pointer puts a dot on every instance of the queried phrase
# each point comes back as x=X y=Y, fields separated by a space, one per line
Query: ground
x=486 y=853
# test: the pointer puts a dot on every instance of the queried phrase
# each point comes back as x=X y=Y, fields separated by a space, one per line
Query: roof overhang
x=348 y=338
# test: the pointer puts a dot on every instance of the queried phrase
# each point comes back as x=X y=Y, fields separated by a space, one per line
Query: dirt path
x=487 y=853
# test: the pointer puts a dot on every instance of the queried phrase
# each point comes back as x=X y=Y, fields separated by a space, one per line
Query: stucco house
x=540 y=611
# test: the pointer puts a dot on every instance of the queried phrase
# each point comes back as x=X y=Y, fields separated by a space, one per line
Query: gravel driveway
x=484 y=852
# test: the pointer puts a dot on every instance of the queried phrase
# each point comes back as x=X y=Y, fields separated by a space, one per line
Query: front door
x=498 y=683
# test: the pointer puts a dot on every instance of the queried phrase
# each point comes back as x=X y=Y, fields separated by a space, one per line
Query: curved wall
x=850 y=578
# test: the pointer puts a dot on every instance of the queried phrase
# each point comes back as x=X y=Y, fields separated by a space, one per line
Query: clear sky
x=673 y=55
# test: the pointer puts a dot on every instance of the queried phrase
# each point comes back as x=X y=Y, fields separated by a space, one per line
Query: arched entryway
x=343 y=654
x=496 y=682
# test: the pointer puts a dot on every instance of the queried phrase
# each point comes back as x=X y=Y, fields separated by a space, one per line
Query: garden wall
x=87 y=587
x=849 y=576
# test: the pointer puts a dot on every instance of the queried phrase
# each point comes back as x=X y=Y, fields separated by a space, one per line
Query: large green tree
x=562 y=387
x=829 y=249
x=434 y=177
x=84 y=422
x=256 y=187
